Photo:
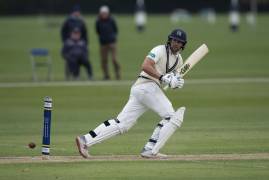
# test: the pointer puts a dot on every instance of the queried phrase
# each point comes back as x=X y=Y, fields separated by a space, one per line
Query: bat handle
x=165 y=87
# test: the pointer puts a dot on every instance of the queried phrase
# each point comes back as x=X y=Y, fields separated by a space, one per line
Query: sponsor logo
x=185 y=68
x=179 y=33
x=152 y=55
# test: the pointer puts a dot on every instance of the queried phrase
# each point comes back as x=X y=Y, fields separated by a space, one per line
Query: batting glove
x=166 y=79
x=176 y=82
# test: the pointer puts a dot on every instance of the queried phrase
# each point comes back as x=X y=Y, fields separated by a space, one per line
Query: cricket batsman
x=158 y=69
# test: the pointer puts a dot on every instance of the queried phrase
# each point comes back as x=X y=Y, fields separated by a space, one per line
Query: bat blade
x=192 y=60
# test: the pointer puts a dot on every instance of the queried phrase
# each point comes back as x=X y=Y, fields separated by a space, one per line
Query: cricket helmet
x=179 y=35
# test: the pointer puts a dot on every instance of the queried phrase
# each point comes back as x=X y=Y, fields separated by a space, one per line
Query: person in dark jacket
x=75 y=52
x=107 y=31
x=74 y=20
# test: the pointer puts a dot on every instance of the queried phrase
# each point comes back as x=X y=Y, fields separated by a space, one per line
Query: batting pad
x=104 y=131
x=168 y=129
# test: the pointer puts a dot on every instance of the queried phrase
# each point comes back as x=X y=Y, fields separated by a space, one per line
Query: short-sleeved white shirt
x=159 y=55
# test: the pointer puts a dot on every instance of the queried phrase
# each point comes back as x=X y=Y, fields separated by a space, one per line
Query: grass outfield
x=223 y=116
x=220 y=118
x=139 y=170
x=241 y=54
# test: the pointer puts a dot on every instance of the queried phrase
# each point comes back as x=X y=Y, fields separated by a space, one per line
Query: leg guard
x=104 y=131
x=168 y=129
x=155 y=135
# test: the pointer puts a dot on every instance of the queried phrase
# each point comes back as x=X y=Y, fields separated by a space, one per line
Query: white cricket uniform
x=146 y=93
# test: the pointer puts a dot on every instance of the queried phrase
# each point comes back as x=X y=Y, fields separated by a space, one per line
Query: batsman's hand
x=166 y=79
x=176 y=82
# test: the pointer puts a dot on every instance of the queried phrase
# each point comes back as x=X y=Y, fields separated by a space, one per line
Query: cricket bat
x=193 y=59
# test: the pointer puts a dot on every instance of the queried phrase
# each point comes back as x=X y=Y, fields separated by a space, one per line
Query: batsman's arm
x=148 y=66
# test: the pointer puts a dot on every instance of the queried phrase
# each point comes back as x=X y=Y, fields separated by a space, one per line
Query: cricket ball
x=31 y=145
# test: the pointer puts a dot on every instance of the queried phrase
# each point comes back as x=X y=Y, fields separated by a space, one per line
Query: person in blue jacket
x=107 y=31
x=75 y=52
x=74 y=20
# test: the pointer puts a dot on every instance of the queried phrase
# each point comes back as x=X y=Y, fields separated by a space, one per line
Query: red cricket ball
x=32 y=145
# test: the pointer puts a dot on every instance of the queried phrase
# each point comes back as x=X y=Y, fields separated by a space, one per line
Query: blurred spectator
x=234 y=16
x=75 y=52
x=140 y=15
x=74 y=20
x=107 y=31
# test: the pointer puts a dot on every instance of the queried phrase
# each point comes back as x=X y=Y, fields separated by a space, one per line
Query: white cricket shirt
x=159 y=55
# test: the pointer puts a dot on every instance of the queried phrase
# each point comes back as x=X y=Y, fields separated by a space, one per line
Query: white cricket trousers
x=143 y=97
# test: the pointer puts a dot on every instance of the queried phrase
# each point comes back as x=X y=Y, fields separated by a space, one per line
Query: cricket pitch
x=200 y=157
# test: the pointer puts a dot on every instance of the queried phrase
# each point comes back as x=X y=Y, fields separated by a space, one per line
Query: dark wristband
x=160 y=78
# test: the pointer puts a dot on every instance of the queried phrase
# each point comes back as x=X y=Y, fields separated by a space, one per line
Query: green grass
x=241 y=54
x=234 y=120
x=220 y=117
x=139 y=170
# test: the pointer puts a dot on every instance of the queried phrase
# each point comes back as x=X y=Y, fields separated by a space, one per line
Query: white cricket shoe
x=149 y=154
x=82 y=147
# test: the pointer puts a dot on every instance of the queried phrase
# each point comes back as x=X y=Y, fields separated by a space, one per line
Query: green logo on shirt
x=152 y=55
